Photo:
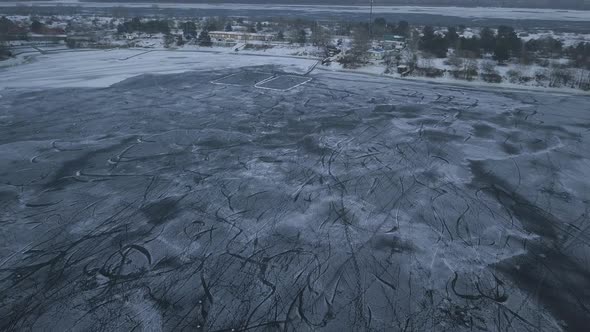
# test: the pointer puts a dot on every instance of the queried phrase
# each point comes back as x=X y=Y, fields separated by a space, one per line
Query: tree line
x=151 y=26
x=503 y=44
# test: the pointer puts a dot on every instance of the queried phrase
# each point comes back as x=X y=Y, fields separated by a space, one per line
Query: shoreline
x=31 y=58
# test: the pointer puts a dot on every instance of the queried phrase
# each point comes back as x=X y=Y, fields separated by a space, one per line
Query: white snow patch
x=104 y=68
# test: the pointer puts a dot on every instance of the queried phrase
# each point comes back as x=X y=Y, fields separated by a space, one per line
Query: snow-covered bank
x=15 y=61
x=102 y=68
x=447 y=79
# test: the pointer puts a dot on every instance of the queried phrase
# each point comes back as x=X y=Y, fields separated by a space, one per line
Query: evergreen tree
x=357 y=55
x=4 y=51
x=427 y=34
x=452 y=36
x=37 y=27
x=403 y=29
x=379 y=27
x=204 y=38
x=433 y=43
x=319 y=36
x=507 y=44
x=189 y=29
x=502 y=51
x=299 y=37
x=471 y=46
x=488 y=39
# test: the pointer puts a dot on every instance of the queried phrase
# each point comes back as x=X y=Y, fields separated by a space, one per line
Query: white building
x=376 y=54
x=227 y=36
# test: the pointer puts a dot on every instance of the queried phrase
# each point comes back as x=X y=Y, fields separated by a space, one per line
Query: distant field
x=283 y=9
x=564 y=4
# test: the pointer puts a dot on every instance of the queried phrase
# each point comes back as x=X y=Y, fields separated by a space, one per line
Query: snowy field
x=465 y=12
x=350 y=203
x=103 y=68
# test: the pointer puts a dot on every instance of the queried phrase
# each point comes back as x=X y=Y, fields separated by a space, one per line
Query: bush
x=560 y=77
x=543 y=62
x=204 y=39
x=4 y=52
x=488 y=67
x=352 y=60
x=258 y=47
x=429 y=72
x=492 y=78
x=540 y=76
x=525 y=79
x=454 y=61
x=465 y=74
x=514 y=76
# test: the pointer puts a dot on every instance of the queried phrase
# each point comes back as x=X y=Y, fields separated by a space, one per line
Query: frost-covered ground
x=166 y=202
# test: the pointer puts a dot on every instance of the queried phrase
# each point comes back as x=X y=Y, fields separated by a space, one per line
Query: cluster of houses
x=389 y=45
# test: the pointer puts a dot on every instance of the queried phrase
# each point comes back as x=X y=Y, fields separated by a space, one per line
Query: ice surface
x=466 y=12
x=104 y=68
x=166 y=202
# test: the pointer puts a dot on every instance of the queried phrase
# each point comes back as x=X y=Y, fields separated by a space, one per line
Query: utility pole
x=371 y=21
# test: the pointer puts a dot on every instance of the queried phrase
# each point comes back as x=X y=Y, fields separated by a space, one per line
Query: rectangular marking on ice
x=283 y=82
x=245 y=78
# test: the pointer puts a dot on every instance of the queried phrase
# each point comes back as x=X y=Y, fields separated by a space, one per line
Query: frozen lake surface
x=166 y=202
x=466 y=12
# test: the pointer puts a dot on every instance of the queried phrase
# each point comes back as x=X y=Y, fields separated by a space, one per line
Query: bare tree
x=470 y=68
x=409 y=57
x=488 y=67
x=583 y=81
x=298 y=36
x=514 y=75
x=357 y=55
x=320 y=36
x=455 y=61
x=489 y=72
x=426 y=63
x=169 y=41
x=559 y=76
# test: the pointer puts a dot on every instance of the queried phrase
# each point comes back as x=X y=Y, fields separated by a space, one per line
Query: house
x=332 y=50
x=225 y=36
x=176 y=32
x=84 y=39
x=394 y=42
x=376 y=54
x=54 y=38
x=11 y=31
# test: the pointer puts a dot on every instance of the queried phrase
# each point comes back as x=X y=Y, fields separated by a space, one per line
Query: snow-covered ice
x=104 y=68
x=352 y=202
